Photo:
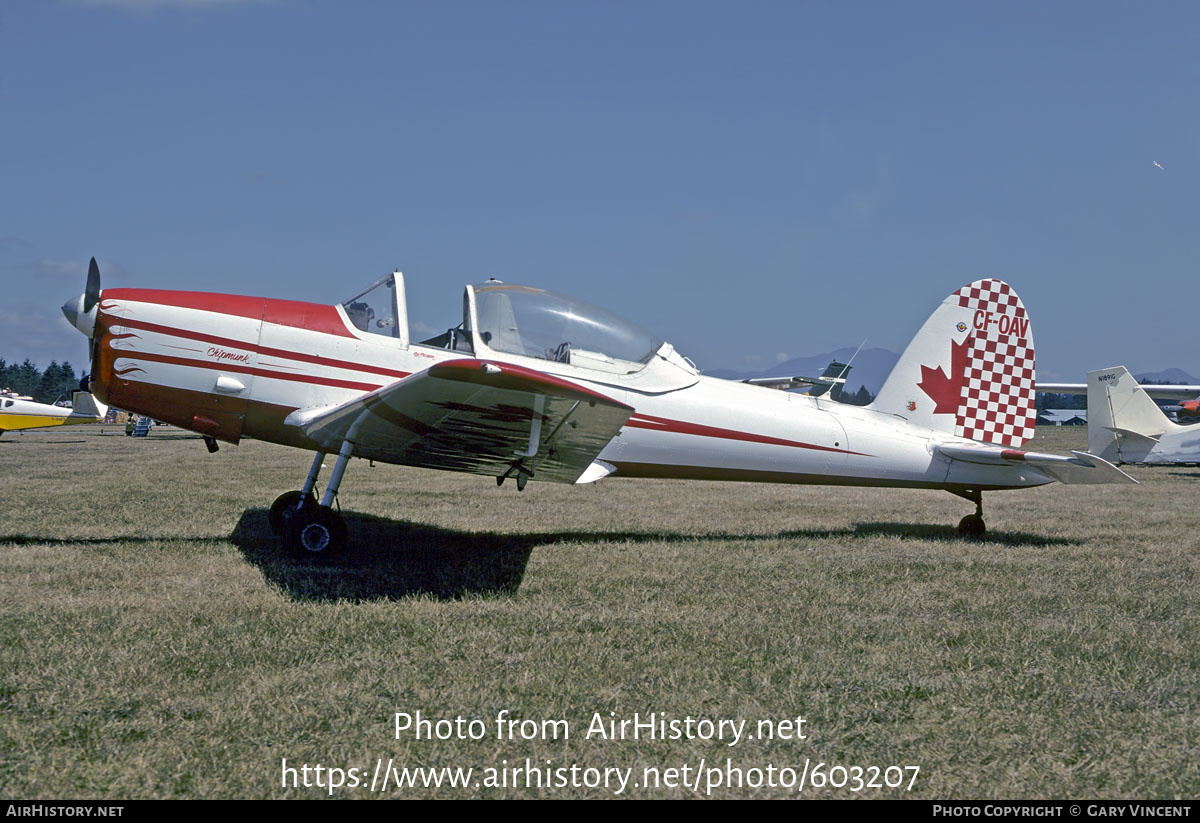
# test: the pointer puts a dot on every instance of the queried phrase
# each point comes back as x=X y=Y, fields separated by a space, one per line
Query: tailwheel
x=972 y=526
x=316 y=533
x=285 y=506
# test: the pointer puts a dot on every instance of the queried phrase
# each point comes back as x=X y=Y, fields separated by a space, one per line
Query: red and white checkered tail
x=970 y=369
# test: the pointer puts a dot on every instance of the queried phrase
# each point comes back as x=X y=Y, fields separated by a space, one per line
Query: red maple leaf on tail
x=946 y=391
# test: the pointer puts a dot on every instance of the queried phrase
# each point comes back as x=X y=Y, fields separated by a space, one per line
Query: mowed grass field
x=156 y=642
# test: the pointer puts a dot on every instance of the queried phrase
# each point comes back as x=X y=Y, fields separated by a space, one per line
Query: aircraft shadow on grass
x=391 y=559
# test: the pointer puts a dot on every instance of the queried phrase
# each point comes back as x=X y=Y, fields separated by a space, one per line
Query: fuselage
x=17 y=413
x=230 y=367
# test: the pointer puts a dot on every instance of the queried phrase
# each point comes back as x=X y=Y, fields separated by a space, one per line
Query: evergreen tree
x=47 y=389
x=56 y=383
x=859 y=398
x=25 y=379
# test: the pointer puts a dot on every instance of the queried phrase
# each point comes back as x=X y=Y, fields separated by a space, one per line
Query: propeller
x=81 y=312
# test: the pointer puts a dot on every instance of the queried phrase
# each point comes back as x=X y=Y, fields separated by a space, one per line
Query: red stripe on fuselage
x=226 y=366
x=645 y=421
x=316 y=359
x=312 y=316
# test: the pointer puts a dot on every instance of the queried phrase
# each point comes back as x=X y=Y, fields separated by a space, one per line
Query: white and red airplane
x=535 y=385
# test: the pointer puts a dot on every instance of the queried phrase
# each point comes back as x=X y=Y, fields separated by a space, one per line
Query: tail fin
x=970 y=369
x=1124 y=424
x=835 y=374
x=85 y=404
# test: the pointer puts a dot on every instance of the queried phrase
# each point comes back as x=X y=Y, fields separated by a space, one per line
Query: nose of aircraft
x=73 y=310
x=81 y=311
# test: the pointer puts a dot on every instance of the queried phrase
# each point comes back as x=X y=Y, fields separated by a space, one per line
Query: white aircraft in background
x=1126 y=426
x=22 y=413
x=535 y=385
x=1189 y=395
x=1160 y=391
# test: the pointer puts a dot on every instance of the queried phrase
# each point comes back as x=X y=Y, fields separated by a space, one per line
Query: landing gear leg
x=319 y=531
x=288 y=503
x=972 y=525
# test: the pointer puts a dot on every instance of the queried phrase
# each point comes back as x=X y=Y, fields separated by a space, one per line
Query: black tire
x=316 y=534
x=285 y=506
x=972 y=526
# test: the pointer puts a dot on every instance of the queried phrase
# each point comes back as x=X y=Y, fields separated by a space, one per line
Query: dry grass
x=157 y=643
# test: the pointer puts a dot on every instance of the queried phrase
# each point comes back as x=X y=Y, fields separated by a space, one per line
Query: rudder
x=970 y=370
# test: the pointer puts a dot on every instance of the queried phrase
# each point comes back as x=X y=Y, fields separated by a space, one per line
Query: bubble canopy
x=542 y=324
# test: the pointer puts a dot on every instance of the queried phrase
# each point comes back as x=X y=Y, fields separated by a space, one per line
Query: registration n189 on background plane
x=533 y=385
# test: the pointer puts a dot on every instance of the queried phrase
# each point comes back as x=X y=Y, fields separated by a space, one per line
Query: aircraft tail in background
x=85 y=404
x=1126 y=426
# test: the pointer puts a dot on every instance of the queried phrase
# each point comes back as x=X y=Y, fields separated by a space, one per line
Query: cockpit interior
x=519 y=320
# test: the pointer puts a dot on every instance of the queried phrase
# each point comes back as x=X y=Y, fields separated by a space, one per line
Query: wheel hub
x=314 y=537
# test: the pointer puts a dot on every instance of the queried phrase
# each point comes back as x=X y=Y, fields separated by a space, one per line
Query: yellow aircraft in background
x=22 y=413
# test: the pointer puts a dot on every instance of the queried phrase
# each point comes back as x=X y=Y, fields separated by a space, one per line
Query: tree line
x=55 y=383
x=862 y=397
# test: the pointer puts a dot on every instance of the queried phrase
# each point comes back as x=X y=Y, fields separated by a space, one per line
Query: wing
x=1081 y=467
x=1159 y=391
x=476 y=416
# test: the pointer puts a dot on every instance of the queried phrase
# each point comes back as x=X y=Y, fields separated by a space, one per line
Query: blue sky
x=751 y=180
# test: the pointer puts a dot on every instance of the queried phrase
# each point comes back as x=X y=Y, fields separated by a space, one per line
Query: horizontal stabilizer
x=1080 y=468
x=1148 y=440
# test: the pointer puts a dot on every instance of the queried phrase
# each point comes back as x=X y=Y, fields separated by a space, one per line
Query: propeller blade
x=91 y=294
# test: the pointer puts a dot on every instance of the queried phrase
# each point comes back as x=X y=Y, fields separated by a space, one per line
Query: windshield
x=374 y=310
x=542 y=324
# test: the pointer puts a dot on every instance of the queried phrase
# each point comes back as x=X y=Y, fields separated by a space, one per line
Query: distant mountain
x=1166 y=376
x=870 y=368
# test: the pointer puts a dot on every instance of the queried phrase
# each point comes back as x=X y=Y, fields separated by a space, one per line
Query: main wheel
x=286 y=505
x=316 y=533
x=972 y=526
